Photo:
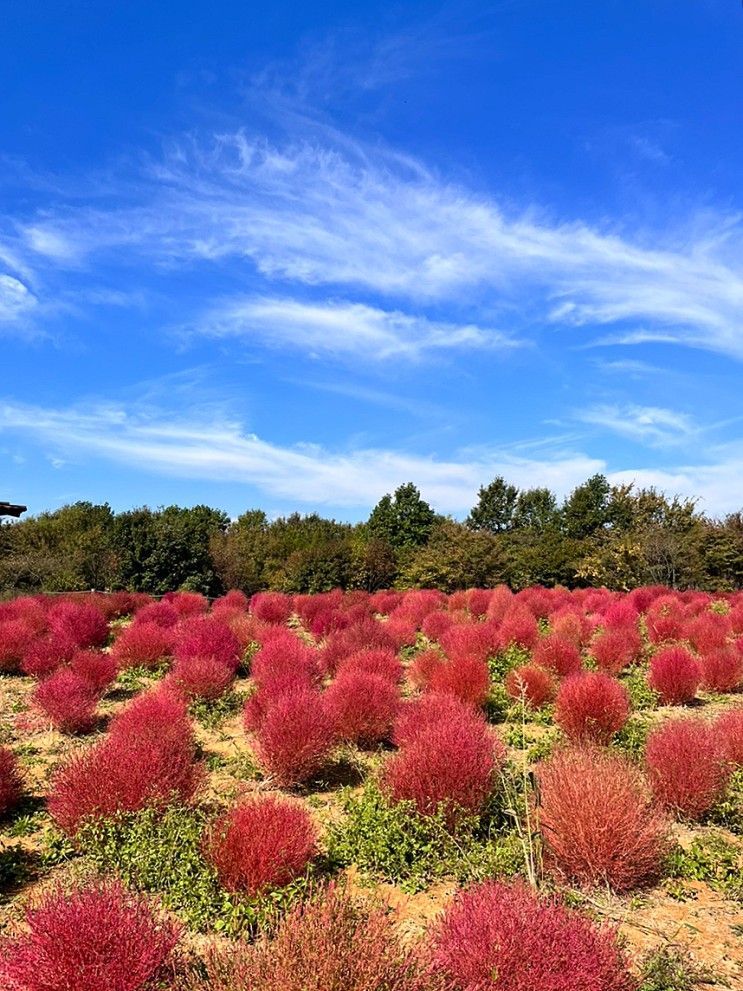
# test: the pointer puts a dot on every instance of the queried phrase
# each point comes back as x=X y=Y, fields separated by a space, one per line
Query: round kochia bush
x=295 y=737
x=10 y=781
x=97 y=938
x=598 y=822
x=591 y=707
x=68 y=700
x=687 y=766
x=729 y=731
x=535 y=685
x=675 y=675
x=362 y=707
x=557 y=654
x=143 y=644
x=261 y=843
x=501 y=937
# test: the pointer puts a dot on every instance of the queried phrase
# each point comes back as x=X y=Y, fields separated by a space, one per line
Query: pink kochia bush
x=466 y=677
x=203 y=636
x=599 y=824
x=686 y=766
x=557 y=654
x=261 y=843
x=295 y=737
x=362 y=707
x=95 y=938
x=81 y=621
x=616 y=649
x=147 y=760
x=143 y=644
x=503 y=937
x=447 y=764
x=68 y=700
x=10 y=781
x=381 y=662
x=591 y=707
x=728 y=729
x=16 y=637
x=722 y=669
x=535 y=685
x=45 y=655
x=419 y=715
x=202 y=677
x=95 y=667
x=675 y=674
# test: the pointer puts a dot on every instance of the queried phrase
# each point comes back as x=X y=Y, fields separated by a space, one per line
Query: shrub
x=686 y=766
x=330 y=943
x=675 y=674
x=436 y=623
x=187 y=603
x=206 y=637
x=722 y=669
x=361 y=707
x=447 y=764
x=520 y=627
x=616 y=649
x=16 y=636
x=382 y=662
x=367 y=634
x=469 y=640
x=69 y=700
x=591 y=706
x=100 y=938
x=418 y=716
x=557 y=654
x=295 y=737
x=708 y=631
x=504 y=937
x=202 y=677
x=533 y=684
x=425 y=663
x=81 y=621
x=271 y=607
x=10 y=781
x=160 y=613
x=95 y=667
x=728 y=729
x=261 y=843
x=598 y=823
x=284 y=657
x=44 y=656
x=159 y=715
x=143 y=644
x=466 y=677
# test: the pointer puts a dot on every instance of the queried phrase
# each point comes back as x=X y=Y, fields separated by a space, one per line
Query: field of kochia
x=484 y=791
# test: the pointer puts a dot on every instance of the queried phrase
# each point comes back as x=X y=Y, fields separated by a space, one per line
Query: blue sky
x=291 y=255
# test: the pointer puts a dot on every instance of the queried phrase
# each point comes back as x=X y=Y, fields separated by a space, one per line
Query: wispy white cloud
x=16 y=299
x=332 y=212
x=304 y=473
x=341 y=328
x=651 y=425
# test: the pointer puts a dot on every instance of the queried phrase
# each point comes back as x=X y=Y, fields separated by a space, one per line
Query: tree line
x=600 y=534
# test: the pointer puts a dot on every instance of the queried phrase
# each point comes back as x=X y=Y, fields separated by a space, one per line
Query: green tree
x=495 y=507
x=403 y=520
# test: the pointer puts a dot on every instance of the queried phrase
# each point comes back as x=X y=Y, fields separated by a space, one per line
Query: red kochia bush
x=15 y=638
x=10 y=781
x=708 y=631
x=143 y=644
x=161 y=613
x=85 y=624
x=95 y=667
x=519 y=627
x=204 y=636
x=202 y=677
x=425 y=663
x=534 y=684
x=598 y=823
x=69 y=700
x=271 y=607
x=615 y=649
x=284 y=656
x=729 y=731
x=722 y=669
x=382 y=662
x=96 y=938
x=447 y=764
x=331 y=942
x=675 y=674
x=295 y=737
x=44 y=656
x=557 y=654
x=261 y=843
x=466 y=677
x=416 y=717
x=504 y=937
x=362 y=707
x=591 y=706
x=686 y=766
x=187 y=603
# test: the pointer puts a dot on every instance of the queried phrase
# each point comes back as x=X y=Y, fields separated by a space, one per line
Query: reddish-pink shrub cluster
x=598 y=823
x=616 y=649
x=10 y=781
x=161 y=613
x=557 y=654
x=686 y=766
x=295 y=737
x=16 y=636
x=504 y=937
x=205 y=637
x=143 y=644
x=202 y=677
x=366 y=634
x=437 y=623
x=80 y=621
x=419 y=715
x=96 y=938
x=45 y=655
x=722 y=669
x=328 y=943
x=533 y=684
x=709 y=631
x=68 y=699
x=187 y=603
x=519 y=627
x=146 y=760
x=382 y=662
x=675 y=675
x=466 y=677
x=665 y=620
x=447 y=763
x=283 y=658
x=591 y=707
x=95 y=667
x=271 y=607
x=728 y=729
x=261 y=843
x=361 y=707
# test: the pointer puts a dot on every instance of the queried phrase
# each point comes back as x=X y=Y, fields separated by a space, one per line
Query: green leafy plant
x=632 y=737
x=211 y=713
x=729 y=812
x=672 y=969
x=712 y=859
x=641 y=695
